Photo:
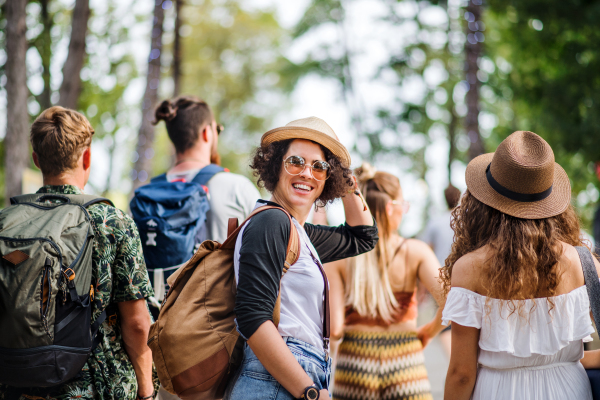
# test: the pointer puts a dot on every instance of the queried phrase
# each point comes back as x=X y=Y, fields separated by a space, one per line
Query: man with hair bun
x=195 y=134
x=120 y=366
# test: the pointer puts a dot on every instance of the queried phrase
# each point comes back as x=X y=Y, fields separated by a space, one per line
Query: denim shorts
x=253 y=381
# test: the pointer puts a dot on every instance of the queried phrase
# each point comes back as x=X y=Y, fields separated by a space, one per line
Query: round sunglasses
x=319 y=170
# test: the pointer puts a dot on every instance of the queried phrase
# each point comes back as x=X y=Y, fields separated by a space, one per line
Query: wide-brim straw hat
x=521 y=178
x=311 y=128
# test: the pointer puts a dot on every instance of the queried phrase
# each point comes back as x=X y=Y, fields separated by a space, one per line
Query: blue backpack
x=171 y=217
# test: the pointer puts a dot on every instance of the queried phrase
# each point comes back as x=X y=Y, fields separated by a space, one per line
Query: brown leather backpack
x=195 y=345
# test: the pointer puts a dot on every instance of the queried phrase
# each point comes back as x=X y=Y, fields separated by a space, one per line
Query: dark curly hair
x=268 y=159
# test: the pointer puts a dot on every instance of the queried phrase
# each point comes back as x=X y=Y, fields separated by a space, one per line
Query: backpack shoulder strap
x=159 y=178
x=591 y=280
x=293 y=249
x=292 y=252
x=24 y=198
x=232 y=225
x=90 y=200
x=206 y=173
x=84 y=200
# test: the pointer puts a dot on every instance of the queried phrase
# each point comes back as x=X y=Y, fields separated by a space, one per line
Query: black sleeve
x=262 y=256
x=337 y=242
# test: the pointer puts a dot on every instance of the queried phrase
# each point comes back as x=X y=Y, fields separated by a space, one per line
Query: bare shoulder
x=570 y=255
x=418 y=249
x=336 y=268
x=420 y=254
x=572 y=272
x=417 y=245
x=466 y=272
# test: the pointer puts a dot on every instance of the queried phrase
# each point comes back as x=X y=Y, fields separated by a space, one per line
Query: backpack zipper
x=80 y=253
x=45 y=305
x=46 y=279
x=9 y=239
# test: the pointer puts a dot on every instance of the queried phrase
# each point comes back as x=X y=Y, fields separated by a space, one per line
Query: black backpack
x=46 y=290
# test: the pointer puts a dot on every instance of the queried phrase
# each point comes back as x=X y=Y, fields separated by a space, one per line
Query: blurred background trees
x=424 y=85
x=550 y=82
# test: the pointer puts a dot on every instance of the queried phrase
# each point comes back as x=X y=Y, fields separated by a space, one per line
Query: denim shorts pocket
x=254 y=369
x=251 y=385
x=314 y=371
x=307 y=362
x=258 y=375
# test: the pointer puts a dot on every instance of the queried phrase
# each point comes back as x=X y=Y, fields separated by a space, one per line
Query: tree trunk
x=44 y=47
x=472 y=52
x=143 y=165
x=16 y=144
x=177 y=49
x=451 y=140
x=71 y=84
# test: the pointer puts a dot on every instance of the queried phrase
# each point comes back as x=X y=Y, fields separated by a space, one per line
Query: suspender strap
x=326 y=313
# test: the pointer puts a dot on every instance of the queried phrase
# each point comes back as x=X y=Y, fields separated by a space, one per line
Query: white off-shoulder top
x=531 y=356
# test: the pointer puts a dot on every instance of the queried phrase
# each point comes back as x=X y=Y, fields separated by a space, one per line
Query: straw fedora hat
x=521 y=178
x=311 y=128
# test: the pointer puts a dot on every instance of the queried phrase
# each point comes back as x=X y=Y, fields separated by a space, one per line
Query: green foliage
x=402 y=120
x=108 y=72
x=540 y=72
x=550 y=82
x=231 y=59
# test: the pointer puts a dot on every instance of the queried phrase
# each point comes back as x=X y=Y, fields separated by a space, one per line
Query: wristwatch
x=311 y=393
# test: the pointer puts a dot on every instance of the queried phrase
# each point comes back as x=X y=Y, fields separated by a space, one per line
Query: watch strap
x=311 y=393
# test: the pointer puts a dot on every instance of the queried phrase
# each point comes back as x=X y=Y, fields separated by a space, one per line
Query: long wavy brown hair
x=525 y=252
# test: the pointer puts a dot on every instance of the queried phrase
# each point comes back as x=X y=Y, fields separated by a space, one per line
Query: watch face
x=312 y=394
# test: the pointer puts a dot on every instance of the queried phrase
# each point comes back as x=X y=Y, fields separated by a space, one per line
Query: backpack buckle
x=69 y=274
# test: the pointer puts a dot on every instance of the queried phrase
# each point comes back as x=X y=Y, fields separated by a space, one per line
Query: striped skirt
x=381 y=365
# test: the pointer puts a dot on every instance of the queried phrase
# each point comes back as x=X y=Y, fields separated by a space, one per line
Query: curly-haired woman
x=517 y=299
x=301 y=164
x=374 y=304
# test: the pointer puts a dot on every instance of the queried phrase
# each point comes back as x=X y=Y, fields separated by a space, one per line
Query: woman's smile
x=302 y=188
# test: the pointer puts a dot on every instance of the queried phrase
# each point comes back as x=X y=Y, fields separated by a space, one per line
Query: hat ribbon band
x=523 y=197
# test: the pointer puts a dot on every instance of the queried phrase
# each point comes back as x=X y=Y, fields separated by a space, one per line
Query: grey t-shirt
x=439 y=235
x=230 y=196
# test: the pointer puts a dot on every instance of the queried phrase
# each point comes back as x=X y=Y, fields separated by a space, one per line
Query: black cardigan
x=262 y=256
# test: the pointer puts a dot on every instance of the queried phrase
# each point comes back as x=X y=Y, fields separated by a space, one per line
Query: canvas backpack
x=171 y=216
x=46 y=289
x=195 y=344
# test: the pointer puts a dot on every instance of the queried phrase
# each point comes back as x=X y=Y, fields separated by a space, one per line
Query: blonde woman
x=374 y=307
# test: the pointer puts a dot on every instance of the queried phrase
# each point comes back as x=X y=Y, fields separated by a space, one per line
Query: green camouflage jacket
x=119 y=275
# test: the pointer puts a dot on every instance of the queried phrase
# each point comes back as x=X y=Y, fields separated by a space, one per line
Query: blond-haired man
x=120 y=367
